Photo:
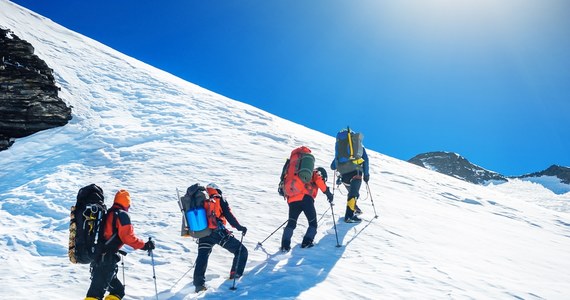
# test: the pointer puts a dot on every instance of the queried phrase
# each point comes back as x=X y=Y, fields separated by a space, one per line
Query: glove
x=366 y=177
x=280 y=191
x=148 y=246
x=330 y=196
x=243 y=229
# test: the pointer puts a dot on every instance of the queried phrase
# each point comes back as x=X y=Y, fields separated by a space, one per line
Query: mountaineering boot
x=350 y=207
x=234 y=275
x=200 y=288
x=357 y=210
x=112 y=297
x=307 y=243
x=285 y=248
x=354 y=219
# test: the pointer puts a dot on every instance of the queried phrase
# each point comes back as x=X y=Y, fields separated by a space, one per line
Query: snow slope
x=139 y=128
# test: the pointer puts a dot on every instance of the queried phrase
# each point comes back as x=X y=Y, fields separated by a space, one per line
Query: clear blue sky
x=488 y=79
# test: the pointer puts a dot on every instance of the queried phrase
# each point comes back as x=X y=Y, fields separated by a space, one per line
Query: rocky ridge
x=29 y=100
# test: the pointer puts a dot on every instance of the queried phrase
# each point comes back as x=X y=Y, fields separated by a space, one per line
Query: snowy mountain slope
x=139 y=128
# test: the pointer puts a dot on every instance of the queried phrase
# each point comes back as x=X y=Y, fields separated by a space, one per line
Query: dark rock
x=563 y=173
x=457 y=166
x=29 y=100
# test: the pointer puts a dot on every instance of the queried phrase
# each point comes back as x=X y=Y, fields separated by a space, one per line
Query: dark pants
x=227 y=241
x=352 y=181
x=104 y=277
x=306 y=206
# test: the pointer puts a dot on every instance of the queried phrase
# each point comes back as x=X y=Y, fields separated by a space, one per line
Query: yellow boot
x=91 y=298
x=112 y=297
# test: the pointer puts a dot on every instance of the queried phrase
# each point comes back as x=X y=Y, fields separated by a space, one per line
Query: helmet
x=212 y=185
x=323 y=173
x=213 y=188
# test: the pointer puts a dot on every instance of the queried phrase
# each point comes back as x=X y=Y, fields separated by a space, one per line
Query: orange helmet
x=123 y=198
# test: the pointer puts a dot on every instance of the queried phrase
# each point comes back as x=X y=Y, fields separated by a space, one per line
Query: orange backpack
x=297 y=172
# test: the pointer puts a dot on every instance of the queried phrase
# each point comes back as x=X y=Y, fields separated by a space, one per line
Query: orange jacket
x=117 y=216
x=218 y=209
x=311 y=188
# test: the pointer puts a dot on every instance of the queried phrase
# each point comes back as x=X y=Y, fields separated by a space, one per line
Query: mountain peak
x=455 y=165
x=563 y=173
x=555 y=178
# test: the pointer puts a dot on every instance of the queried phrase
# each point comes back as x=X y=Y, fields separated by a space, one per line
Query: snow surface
x=552 y=183
x=139 y=128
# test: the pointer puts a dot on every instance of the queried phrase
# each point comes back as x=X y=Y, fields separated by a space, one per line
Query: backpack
x=87 y=218
x=194 y=214
x=297 y=171
x=348 y=151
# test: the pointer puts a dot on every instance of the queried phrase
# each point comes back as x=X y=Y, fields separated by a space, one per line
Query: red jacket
x=311 y=188
x=124 y=229
x=118 y=215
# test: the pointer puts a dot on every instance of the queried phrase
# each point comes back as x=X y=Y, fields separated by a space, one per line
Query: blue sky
x=487 y=79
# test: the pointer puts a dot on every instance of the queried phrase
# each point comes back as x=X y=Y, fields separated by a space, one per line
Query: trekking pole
x=326 y=211
x=192 y=267
x=332 y=211
x=233 y=288
x=372 y=200
x=123 y=264
x=259 y=244
x=153 y=272
x=334 y=223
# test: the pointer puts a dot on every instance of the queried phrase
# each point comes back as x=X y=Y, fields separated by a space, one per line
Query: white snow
x=552 y=183
x=139 y=128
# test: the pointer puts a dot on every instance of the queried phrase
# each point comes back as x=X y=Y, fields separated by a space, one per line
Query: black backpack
x=86 y=240
x=348 y=151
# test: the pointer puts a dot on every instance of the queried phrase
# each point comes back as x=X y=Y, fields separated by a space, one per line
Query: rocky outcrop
x=457 y=166
x=29 y=99
x=563 y=173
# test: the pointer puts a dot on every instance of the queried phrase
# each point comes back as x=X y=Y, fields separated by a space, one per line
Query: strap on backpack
x=113 y=237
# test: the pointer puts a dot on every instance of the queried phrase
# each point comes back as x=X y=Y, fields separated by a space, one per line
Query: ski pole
x=372 y=200
x=259 y=244
x=153 y=272
x=233 y=288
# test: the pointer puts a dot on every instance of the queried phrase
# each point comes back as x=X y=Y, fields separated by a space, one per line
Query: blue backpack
x=194 y=214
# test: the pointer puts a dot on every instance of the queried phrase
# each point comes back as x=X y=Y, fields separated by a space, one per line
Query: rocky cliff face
x=29 y=99
x=457 y=166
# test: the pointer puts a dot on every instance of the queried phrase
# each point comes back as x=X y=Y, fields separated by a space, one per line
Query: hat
x=123 y=198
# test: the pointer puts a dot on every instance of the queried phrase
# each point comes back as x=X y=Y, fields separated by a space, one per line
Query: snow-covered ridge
x=555 y=178
x=139 y=128
x=457 y=166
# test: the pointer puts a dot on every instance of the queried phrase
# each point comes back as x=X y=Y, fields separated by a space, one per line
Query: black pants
x=352 y=181
x=227 y=241
x=306 y=206
x=104 y=277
